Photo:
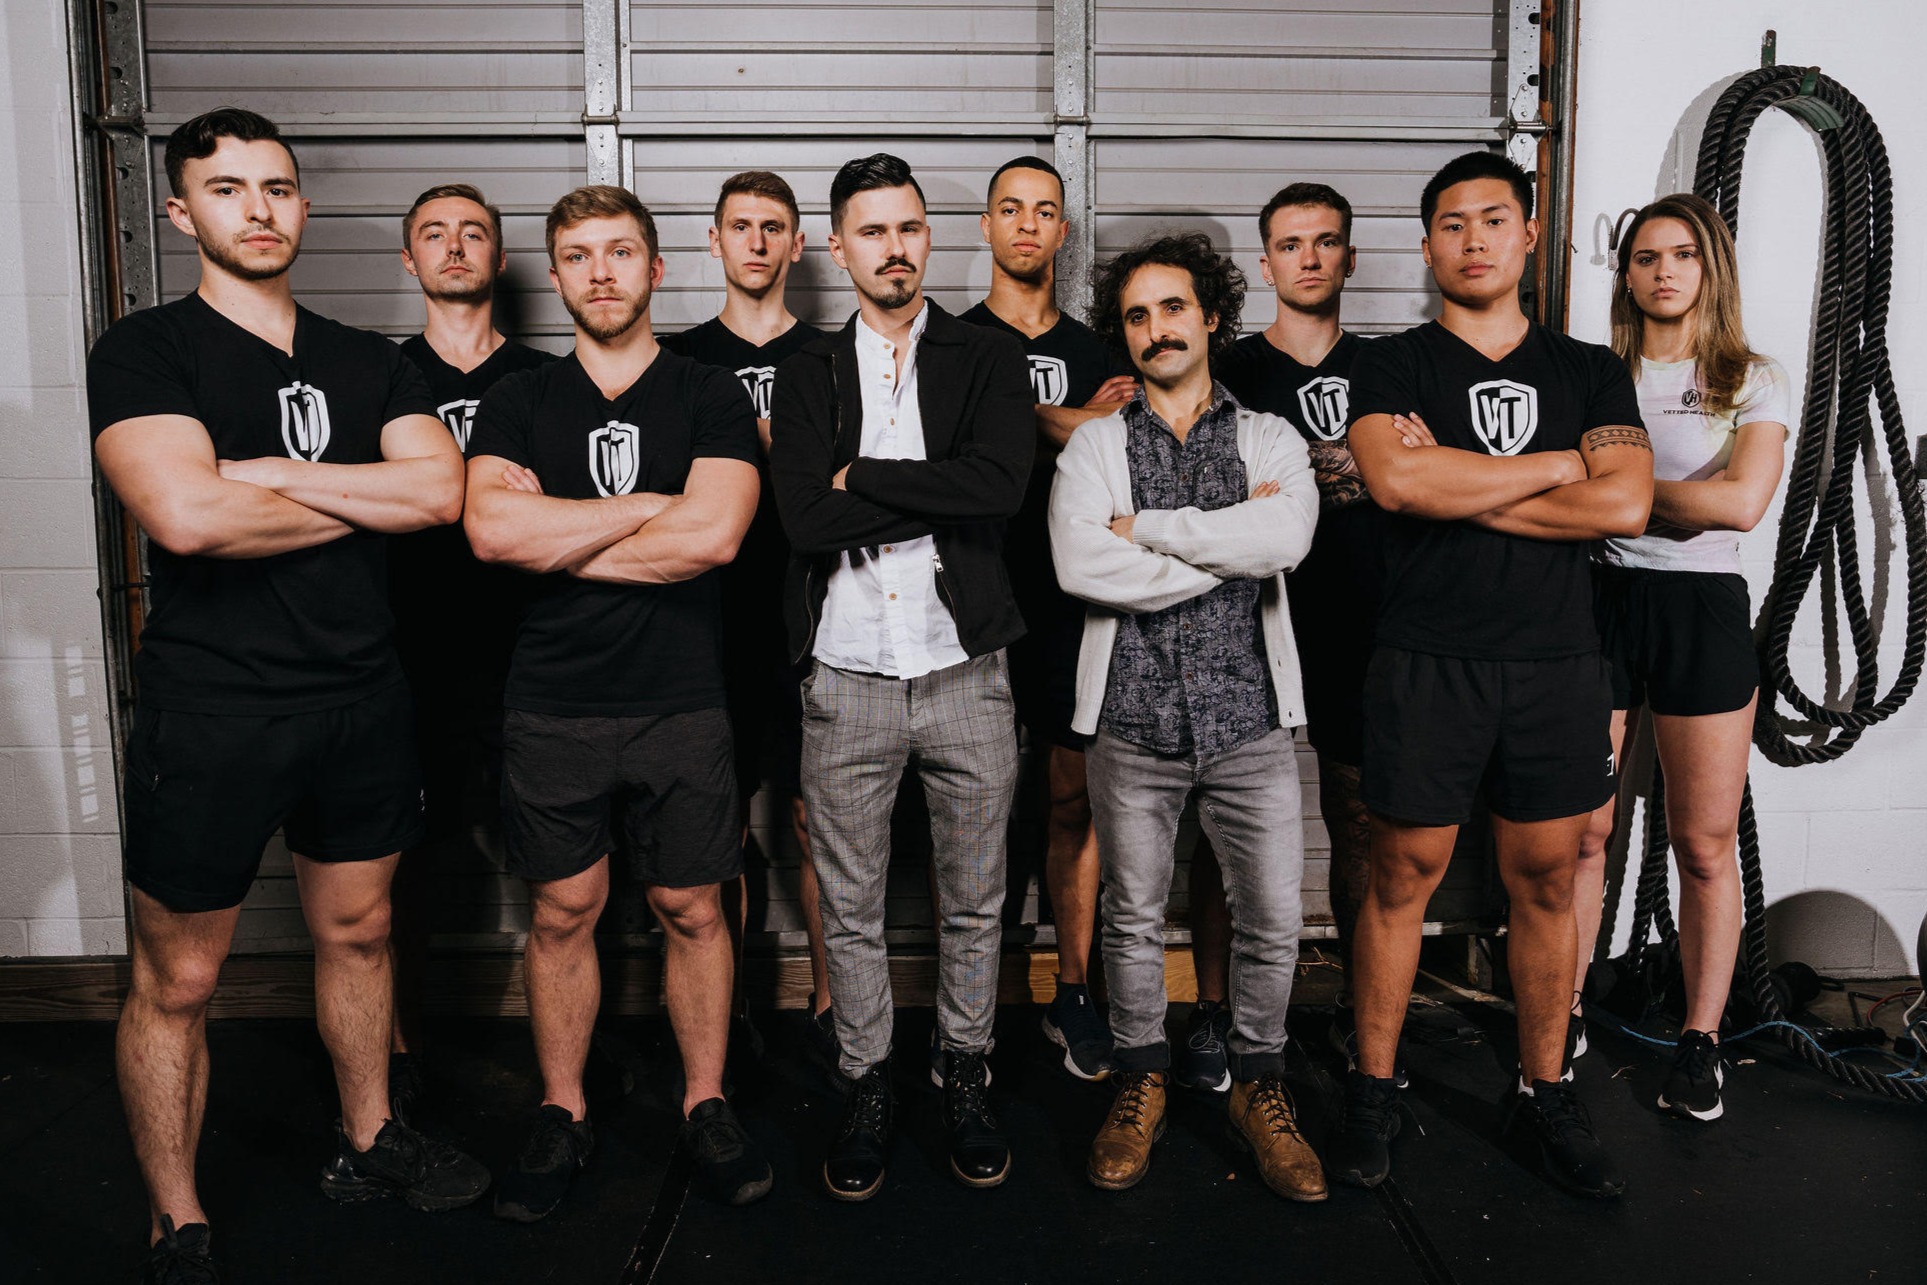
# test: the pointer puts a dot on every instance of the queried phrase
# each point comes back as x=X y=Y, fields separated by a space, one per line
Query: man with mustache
x=623 y=476
x=1176 y=519
x=1074 y=377
x=268 y=453
x=454 y=615
x=898 y=446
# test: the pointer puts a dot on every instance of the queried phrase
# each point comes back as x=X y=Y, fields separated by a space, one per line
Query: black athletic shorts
x=766 y=722
x=1536 y=735
x=205 y=793
x=669 y=778
x=1680 y=642
x=1043 y=670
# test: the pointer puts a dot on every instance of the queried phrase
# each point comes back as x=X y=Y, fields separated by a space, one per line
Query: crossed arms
x=1602 y=489
x=648 y=538
x=164 y=469
x=1156 y=559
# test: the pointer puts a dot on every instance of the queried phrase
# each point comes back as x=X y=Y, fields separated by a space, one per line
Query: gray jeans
x=1249 y=806
x=958 y=725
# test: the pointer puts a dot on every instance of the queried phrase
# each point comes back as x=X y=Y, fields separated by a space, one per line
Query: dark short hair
x=599 y=201
x=1475 y=165
x=1037 y=163
x=867 y=174
x=759 y=183
x=1297 y=194
x=467 y=192
x=197 y=139
x=1215 y=279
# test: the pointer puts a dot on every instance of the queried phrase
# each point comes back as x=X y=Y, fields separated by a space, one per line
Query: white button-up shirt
x=881 y=614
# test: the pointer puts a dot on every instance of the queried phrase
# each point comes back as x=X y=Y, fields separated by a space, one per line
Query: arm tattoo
x=1339 y=484
x=1616 y=435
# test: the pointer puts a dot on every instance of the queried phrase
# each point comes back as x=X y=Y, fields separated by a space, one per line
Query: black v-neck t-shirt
x=714 y=344
x=591 y=649
x=299 y=631
x=1456 y=589
x=454 y=614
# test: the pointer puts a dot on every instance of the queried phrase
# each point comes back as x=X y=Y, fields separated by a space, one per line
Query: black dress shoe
x=854 y=1169
x=979 y=1156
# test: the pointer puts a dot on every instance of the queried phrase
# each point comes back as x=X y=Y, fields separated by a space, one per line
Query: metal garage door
x=1158 y=114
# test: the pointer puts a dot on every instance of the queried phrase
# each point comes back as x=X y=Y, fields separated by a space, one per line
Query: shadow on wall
x=1840 y=929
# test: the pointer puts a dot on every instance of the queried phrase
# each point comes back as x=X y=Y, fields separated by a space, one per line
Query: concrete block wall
x=60 y=885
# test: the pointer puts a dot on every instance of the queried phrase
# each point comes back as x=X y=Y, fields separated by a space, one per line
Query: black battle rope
x=1848 y=374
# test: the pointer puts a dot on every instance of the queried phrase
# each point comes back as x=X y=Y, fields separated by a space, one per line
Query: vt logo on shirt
x=1325 y=403
x=758 y=380
x=459 y=415
x=614 y=459
x=1050 y=379
x=304 y=421
x=1505 y=415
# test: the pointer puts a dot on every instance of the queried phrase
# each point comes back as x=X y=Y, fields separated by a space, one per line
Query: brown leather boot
x=1262 y=1118
x=1121 y=1153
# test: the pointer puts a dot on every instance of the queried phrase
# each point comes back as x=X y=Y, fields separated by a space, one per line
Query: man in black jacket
x=898 y=447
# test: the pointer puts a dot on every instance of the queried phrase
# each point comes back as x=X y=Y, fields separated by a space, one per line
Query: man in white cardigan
x=1176 y=519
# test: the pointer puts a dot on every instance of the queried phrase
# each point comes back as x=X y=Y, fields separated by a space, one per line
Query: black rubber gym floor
x=1804 y=1180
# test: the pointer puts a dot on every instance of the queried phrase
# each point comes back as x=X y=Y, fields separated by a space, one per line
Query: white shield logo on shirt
x=1050 y=379
x=304 y=421
x=1505 y=415
x=758 y=380
x=614 y=459
x=459 y=415
x=1326 y=404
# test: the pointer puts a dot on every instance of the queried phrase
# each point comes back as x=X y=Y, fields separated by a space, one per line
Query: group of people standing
x=1158 y=545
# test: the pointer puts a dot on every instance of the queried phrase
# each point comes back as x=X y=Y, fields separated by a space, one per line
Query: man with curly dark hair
x=1176 y=519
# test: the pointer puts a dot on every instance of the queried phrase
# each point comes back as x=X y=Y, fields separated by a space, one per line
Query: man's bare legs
x=1407 y=862
x=1350 y=827
x=346 y=906
x=1071 y=864
x=1536 y=860
x=810 y=897
x=564 y=980
x=161 y=1047
x=1589 y=879
x=698 y=970
x=1210 y=925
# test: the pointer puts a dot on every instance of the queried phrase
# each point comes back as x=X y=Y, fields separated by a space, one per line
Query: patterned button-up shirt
x=1191 y=678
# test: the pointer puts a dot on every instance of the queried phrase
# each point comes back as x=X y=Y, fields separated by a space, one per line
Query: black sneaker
x=1575 y=1042
x=979 y=1156
x=427 y=1174
x=1203 y=1062
x=1344 y=1038
x=731 y=1165
x=1072 y=1023
x=180 y=1257
x=855 y=1165
x=1693 y=1087
x=1359 y=1151
x=1570 y=1149
x=940 y=1062
x=404 y=1086
x=535 y=1184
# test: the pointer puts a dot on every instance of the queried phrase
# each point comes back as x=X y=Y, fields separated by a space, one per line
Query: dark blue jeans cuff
x=1249 y=1066
x=1152 y=1057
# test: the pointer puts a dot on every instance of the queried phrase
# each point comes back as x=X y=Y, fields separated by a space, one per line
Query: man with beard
x=899 y=446
x=758 y=236
x=267 y=452
x=1299 y=369
x=1176 y=519
x=623 y=476
x=454 y=616
x=1074 y=377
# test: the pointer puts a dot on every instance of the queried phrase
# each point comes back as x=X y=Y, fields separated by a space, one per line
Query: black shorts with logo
x=1679 y=642
x=670 y=778
x=1535 y=735
x=205 y=793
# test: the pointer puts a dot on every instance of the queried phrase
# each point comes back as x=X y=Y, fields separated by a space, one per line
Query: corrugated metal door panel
x=900 y=66
x=350 y=267
x=678 y=180
x=314 y=60
x=1397 y=64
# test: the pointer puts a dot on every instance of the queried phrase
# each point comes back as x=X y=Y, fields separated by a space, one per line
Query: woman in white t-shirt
x=1674 y=617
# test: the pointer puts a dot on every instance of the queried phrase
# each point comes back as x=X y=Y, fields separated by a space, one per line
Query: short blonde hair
x=600 y=201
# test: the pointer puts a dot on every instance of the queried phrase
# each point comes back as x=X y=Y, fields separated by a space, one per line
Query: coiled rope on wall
x=1849 y=375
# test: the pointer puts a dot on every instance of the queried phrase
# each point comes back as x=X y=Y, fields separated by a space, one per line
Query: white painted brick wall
x=60 y=869
x=1844 y=844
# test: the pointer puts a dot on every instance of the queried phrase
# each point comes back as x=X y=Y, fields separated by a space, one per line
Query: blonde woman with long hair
x=1674 y=616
